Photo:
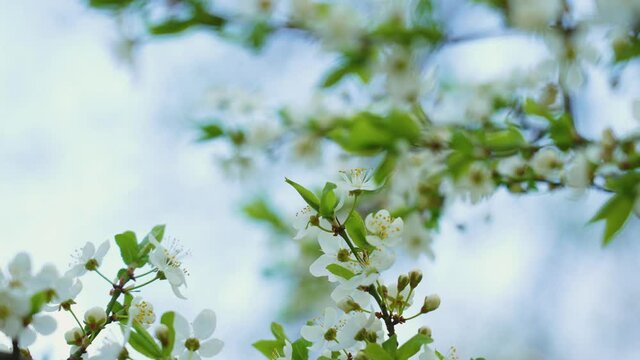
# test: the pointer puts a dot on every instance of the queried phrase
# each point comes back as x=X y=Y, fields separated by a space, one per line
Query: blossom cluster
x=356 y=252
x=27 y=299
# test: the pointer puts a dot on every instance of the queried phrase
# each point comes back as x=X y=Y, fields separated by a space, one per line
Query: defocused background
x=94 y=142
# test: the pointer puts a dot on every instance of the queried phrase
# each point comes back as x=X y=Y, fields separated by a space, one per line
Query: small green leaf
x=128 y=245
x=376 y=352
x=269 y=348
x=328 y=201
x=143 y=342
x=167 y=319
x=357 y=231
x=278 y=331
x=340 y=271
x=309 y=197
x=300 y=349
x=210 y=132
x=391 y=345
x=412 y=346
x=615 y=213
x=504 y=140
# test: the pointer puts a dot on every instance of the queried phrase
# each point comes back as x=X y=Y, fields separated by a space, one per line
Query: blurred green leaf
x=615 y=213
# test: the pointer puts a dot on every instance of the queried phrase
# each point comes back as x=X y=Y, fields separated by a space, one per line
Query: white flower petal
x=312 y=333
x=211 y=347
x=181 y=326
x=204 y=324
x=27 y=338
x=45 y=325
x=102 y=251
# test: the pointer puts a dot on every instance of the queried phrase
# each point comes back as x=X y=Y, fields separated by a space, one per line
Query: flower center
x=331 y=334
x=4 y=312
x=192 y=344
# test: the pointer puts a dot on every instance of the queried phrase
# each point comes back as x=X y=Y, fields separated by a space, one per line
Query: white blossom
x=417 y=238
x=169 y=262
x=358 y=179
x=335 y=251
x=548 y=163
x=324 y=333
x=194 y=340
x=578 y=172
x=385 y=230
x=477 y=182
x=88 y=258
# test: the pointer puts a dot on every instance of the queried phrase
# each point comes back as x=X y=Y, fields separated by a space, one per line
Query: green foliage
x=357 y=231
x=377 y=352
x=367 y=133
x=412 y=346
x=143 y=342
x=328 y=201
x=626 y=49
x=128 y=245
x=273 y=348
x=308 y=196
x=615 y=213
x=167 y=319
x=261 y=210
x=210 y=131
x=340 y=271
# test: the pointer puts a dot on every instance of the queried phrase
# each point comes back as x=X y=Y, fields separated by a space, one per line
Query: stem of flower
x=102 y=276
x=77 y=321
x=141 y=285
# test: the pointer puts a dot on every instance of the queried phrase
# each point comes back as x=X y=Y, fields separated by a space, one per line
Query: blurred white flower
x=476 y=183
x=578 y=172
x=417 y=238
x=548 y=163
x=194 y=340
x=513 y=166
x=87 y=259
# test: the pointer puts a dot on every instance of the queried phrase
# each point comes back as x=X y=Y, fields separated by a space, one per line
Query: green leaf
x=167 y=319
x=210 y=132
x=300 y=349
x=259 y=34
x=269 y=347
x=171 y=27
x=391 y=345
x=328 y=201
x=412 y=346
x=110 y=4
x=142 y=342
x=615 y=213
x=376 y=352
x=259 y=209
x=504 y=140
x=38 y=300
x=340 y=271
x=128 y=245
x=278 y=331
x=626 y=49
x=357 y=231
x=309 y=197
